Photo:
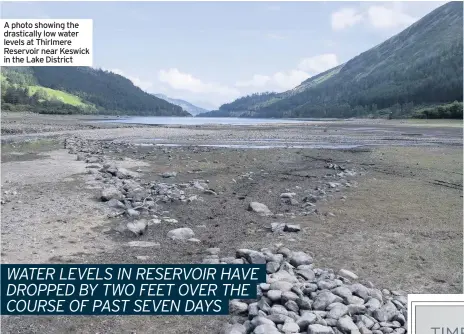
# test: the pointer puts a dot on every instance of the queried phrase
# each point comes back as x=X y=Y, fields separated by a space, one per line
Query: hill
x=78 y=90
x=187 y=106
x=420 y=67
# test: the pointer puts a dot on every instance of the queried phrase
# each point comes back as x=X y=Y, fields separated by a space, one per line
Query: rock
x=260 y=320
x=287 y=195
x=272 y=267
x=293 y=201
x=360 y=291
x=319 y=329
x=266 y=329
x=137 y=227
x=110 y=193
x=278 y=227
x=182 y=233
x=114 y=203
x=251 y=256
x=281 y=285
x=209 y=192
x=356 y=309
x=327 y=284
x=213 y=251
x=143 y=244
x=337 y=310
x=133 y=213
x=290 y=327
x=346 y=325
x=259 y=208
x=237 y=307
x=234 y=329
x=292 y=306
x=299 y=258
x=348 y=274
x=306 y=273
x=123 y=173
x=342 y=292
x=274 y=295
x=168 y=174
x=385 y=313
x=324 y=299
x=306 y=319
x=292 y=228
x=373 y=304
x=289 y=296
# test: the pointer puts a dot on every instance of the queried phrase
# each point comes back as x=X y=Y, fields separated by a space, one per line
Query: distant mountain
x=187 y=106
x=78 y=90
x=244 y=106
x=421 y=66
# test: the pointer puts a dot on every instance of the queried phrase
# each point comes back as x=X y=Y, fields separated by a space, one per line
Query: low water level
x=210 y=120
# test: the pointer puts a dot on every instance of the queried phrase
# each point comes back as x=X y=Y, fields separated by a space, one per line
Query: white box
x=46 y=42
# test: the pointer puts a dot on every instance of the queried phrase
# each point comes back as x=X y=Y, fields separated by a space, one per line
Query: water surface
x=211 y=120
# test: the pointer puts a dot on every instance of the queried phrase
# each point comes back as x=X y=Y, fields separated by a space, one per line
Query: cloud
x=185 y=81
x=318 y=64
x=284 y=80
x=382 y=17
x=345 y=18
x=289 y=79
x=257 y=80
x=144 y=85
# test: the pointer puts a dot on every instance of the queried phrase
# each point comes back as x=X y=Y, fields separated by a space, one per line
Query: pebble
x=143 y=244
x=259 y=208
x=348 y=274
x=183 y=233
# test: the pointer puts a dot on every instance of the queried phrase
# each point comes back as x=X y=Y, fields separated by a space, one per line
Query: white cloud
x=144 y=85
x=257 y=80
x=284 y=80
x=345 y=18
x=185 y=81
x=382 y=17
x=318 y=64
x=289 y=79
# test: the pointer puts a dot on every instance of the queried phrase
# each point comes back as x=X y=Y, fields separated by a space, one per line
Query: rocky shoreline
x=106 y=198
x=299 y=298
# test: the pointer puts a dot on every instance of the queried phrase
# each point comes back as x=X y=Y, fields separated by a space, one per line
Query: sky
x=210 y=53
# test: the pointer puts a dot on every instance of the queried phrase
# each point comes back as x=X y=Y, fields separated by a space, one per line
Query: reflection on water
x=212 y=120
x=327 y=146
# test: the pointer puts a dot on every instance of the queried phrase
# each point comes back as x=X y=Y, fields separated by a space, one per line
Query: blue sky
x=210 y=53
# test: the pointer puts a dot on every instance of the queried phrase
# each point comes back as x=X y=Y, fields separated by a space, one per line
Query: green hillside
x=49 y=93
x=72 y=90
x=421 y=66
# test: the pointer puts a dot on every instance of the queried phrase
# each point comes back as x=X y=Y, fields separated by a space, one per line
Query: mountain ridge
x=420 y=66
x=185 y=105
x=92 y=91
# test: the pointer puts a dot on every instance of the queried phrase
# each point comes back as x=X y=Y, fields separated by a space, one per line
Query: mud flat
x=382 y=199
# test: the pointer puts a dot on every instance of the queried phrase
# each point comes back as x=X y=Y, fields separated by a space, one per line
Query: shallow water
x=211 y=120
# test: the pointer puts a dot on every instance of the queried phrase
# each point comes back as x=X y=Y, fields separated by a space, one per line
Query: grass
x=59 y=95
